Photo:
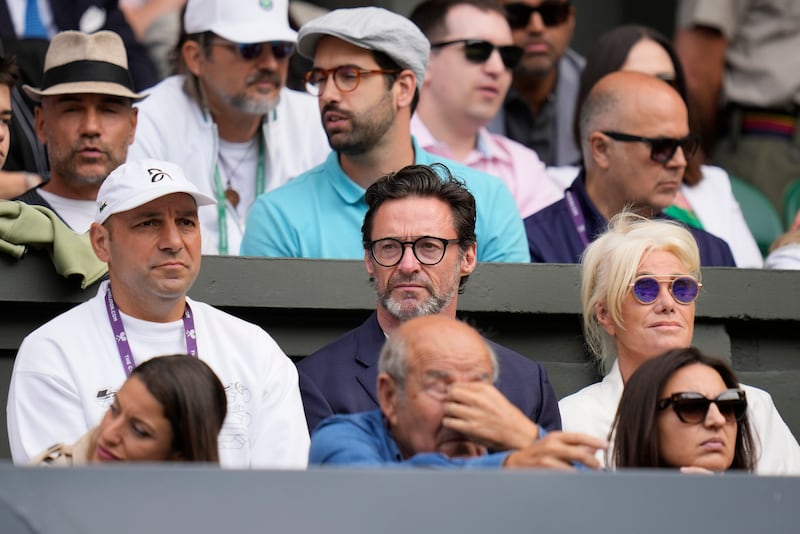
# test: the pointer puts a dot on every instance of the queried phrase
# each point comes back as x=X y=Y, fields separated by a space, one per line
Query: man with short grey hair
x=227 y=117
x=428 y=365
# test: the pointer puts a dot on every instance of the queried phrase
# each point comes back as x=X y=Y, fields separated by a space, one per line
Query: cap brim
x=148 y=196
x=249 y=33
x=100 y=88
x=307 y=43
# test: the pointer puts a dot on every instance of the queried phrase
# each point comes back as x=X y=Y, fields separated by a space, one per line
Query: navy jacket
x=553 y=238
x=342 y=376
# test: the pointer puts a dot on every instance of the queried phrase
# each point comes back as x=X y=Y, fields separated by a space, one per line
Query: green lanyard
x=222 y=200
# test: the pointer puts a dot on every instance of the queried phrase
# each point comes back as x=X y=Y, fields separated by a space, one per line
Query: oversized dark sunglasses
x=250 y=51
x=692 y=407
x=662 y=149
x=478 y=51
x=684 y=289
x=519 y=14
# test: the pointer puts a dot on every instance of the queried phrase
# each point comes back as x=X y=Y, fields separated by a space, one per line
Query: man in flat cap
x=85 y=117
x=146 y=229
x=228 y=119
x=369 y=64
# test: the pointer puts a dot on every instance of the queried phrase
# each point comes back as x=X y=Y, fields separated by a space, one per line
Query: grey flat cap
x=373 y=28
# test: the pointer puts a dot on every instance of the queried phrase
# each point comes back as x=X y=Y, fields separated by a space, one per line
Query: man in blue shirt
x=419 y=248
x=635 y=136
x=431 y=369
x=369 y=64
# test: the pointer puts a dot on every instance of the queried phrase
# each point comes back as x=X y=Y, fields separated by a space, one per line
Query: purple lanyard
x=577 y=218
x=125 y=356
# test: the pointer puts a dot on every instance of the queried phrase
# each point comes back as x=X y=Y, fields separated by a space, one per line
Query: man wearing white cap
x=85 y=117
x=227 y=119
x=66 y=372
x=369 y=64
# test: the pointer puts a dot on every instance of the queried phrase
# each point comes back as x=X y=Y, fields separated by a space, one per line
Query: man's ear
x=368 y=264
x=599 y=147
x=192 y=52
x=100 y=237
x=469 y=260
x=603 y=317
x=388 y=395
x=38 y=123
x=404 y=87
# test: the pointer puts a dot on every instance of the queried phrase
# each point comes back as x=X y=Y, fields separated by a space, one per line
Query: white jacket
x=173 y=127
x=592 y=410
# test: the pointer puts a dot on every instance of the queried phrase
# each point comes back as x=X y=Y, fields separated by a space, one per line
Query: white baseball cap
x=136 y=183
x=240 y=21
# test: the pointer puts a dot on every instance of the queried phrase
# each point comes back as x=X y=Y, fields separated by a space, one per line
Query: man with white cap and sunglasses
x=85 y=117
x=228 y=119
x=66 y=372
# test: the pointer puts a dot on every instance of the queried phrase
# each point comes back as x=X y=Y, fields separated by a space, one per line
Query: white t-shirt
x=592 y=409
x=66 y=372
x=78 y=214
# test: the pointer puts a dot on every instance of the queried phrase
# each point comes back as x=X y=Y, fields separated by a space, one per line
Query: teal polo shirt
x=319 y=214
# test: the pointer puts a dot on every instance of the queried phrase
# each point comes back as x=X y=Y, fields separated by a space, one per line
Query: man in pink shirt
x=469 y=72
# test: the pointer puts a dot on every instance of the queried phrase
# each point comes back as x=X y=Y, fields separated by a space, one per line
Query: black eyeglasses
x=519 y=14
x=692 y=407
x=250 y=51
x=684 y=289
x=478 y=51
x=662 y=149
x=428 y=250
x=346 y=78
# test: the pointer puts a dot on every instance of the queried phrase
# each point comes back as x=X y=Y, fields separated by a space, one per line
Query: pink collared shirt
x=518 y=166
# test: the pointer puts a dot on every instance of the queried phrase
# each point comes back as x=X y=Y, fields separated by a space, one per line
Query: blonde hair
x=609 y=265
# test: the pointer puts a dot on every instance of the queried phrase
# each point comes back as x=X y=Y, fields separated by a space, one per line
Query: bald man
x=635 y=140
x=433 y=370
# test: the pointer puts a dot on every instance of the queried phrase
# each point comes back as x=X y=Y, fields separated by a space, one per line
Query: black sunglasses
x=692 y=407
x=684 y=289
x=662 y=149
x=519 y=14
x=250 y=51
x=478 y=51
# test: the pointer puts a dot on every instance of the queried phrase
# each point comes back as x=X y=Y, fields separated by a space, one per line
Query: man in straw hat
x=227 y=119
x=146 y=228
x=85 y=117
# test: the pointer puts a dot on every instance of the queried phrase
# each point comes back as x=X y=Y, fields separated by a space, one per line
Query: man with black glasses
x=419 y=248
x=369 y=64
x=227 y=119
x=471 y=42
x=635 y=137
x=539 y=109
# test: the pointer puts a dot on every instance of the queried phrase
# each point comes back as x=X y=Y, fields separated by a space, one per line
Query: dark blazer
x=342 y=377
x=67 y=16
x=553 y=237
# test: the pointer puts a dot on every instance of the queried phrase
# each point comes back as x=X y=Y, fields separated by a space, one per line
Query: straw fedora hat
x=85 y=63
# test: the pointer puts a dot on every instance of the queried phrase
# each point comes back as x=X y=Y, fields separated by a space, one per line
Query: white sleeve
x=281 y=439
x=779 y=451
x=43 y=407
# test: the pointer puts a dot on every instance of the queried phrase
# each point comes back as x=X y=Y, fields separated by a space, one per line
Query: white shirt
x=66 y=372
x=78 y=214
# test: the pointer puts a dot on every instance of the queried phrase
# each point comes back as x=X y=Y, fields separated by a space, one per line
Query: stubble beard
x=367 y=129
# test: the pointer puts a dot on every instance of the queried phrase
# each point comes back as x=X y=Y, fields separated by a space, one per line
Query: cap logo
x=156 y=175
x=265 y=4
x=103 y=206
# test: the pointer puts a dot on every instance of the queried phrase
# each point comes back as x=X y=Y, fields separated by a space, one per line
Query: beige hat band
x=87 y=71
